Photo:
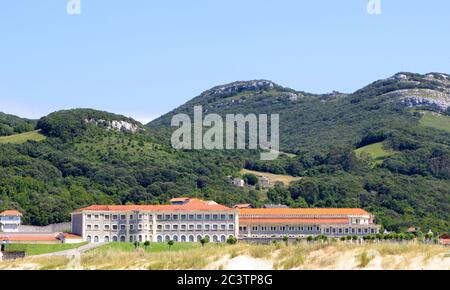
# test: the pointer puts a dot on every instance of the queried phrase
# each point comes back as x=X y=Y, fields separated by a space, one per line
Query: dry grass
x=274 y=178
x=294 y=256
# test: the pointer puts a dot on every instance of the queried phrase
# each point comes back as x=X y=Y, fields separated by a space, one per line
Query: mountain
x=311 y=122
x=384 y=148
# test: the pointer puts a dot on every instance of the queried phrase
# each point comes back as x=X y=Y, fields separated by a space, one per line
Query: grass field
x=22 y=138
x=40 y=249
x=435 y=120
x=153 y=248
x=285 y=179
x=377 y=152
x=302 y=255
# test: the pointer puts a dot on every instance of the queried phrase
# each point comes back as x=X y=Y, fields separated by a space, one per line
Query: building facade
x=276 y=223
x=187 y=220
x=190 y=220
x=10 y=221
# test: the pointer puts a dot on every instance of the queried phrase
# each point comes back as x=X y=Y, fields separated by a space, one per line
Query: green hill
x=10 y=124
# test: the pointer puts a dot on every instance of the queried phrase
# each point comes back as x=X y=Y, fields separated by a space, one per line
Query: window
x=131 y=216
x=223 y=217
x=140 y=226
x=231 y=217
x=167 y=227
x=175 y=217
x=159 y=217
x=114 y=227
x=199 y=217
x=175 y=227
x=191 y=227
x=191 y=217
x=215 y=217
x=140 y=217
x=183 y=227
x=183 y=217
x=230 y=227
x=131 y=227
x=123 y=217
x=96 y=216
x=89 y=227
x=89 y=216
x=107 y=217
x=207 y=227
x=167 y=217
x=96 y=227
x=215 y=227
x=199 y=227
x=207 y=217
x=106 y=227
x=114 y=217
x=122 y=227
x=223 y=227
x=159 y=227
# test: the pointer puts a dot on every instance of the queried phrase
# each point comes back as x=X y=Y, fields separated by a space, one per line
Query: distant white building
x=239 y=182
x=10 y=221
x=265 y=182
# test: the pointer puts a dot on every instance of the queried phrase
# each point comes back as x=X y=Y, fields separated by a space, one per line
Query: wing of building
x=185 y=220
x=276 y=223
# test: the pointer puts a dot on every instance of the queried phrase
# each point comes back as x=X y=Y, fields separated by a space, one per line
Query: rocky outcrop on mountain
x=238 y=87
x=114 y=125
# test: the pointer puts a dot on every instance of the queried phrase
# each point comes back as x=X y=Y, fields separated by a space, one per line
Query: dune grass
x=22 y=138
x=39 y=249
x=301 y=255
x=152 y=248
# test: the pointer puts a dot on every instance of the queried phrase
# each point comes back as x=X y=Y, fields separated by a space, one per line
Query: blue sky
x=143 y=58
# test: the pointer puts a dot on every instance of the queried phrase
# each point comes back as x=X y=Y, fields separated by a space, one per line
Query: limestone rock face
x=114 y=125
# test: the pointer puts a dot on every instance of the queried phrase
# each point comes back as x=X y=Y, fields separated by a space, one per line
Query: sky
x=143 y=58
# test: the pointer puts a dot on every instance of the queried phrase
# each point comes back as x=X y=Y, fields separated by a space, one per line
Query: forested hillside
x=384 y=148
x=10 y=124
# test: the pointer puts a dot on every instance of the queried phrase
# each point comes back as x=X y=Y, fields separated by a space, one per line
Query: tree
x=286 y=240
x=251 y=179
x=136 y=244
x=231 y=241
x=146 y=244
x=204 y=241
x=170 y=243
x=309 y=238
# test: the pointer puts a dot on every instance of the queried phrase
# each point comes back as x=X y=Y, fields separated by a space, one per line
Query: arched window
x=215 y=239
x=115 y=239
x=199 y=238
x=191 y=239
x=183 y=239
x=175 y=238
x=88 y=239
x=167 y=238
x=159 y=239
x=122 y=239
x=223 y=239
x=96 y=239
x=131 y=239
x=140 y=238
x=106 y=239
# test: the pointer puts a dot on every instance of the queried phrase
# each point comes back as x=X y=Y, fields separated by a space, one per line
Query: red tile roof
x=445 y=242
x=11 y=213
x=27 y=238
x=303 y=211
x=192 y=205
x=71 y=236
x=292 y=221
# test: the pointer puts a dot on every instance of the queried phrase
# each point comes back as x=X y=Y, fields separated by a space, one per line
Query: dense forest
x=98 y=157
